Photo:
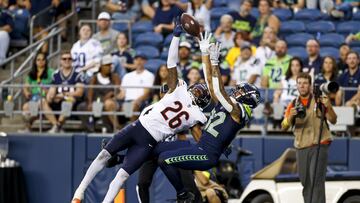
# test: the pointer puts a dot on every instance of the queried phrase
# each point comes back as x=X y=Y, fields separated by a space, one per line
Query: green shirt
x=275 y=69
x=46 y=81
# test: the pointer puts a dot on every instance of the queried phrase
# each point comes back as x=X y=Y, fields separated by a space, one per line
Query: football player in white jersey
x=86 y=52
x=180 y=109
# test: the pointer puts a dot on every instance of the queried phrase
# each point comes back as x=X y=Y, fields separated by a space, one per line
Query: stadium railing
x=128 y=22
x=32 y=37
x=261 y=121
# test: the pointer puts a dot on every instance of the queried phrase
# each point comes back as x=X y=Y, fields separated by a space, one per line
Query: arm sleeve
x=173 y=56
x=287 y=112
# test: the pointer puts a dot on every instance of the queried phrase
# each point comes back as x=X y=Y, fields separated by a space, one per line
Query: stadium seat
x=329 y=51
x=331 y=39
x=357 y=49
x=153 y=64
x=283 y=14
x=121 y=27
x=292 y=27
x=149 y=51
x=254 y=12
x=298 y=39
x=355 y=43
x=219 y=3
x=348 y=27
x=164 y=54
x=308 y=15
x=214 y=24
x=142 y=26
x=149 y=38
x=167 y=40
x=356 y=16
x=217 y=12
x=297 y=51
x=320 y=26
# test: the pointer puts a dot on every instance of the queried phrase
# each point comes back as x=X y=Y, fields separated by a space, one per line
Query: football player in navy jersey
x=230 y=114
x=72 y=91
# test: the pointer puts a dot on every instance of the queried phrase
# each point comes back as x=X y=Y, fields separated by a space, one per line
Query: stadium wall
x=54 y=165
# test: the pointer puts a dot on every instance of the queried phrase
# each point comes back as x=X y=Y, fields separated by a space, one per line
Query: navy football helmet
x=246 y=93
x=200 y=94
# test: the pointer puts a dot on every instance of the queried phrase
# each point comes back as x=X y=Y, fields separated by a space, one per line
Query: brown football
x=190 y=25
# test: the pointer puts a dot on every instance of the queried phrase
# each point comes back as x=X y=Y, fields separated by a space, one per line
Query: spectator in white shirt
x=139 y=77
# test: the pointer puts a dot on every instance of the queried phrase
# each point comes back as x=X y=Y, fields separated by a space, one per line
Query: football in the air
x=190 y=25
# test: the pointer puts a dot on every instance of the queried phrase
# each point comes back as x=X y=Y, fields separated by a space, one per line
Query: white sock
x=96 y=166
x=115 y=185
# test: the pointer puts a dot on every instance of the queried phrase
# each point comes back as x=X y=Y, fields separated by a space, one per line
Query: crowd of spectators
x=253 y=51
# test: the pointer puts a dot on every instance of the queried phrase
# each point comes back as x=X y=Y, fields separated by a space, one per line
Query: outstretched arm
x=218 y=84
x=204 y=43
x=173 y=57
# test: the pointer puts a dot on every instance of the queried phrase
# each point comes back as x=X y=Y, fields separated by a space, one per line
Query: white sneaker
x=54 y=129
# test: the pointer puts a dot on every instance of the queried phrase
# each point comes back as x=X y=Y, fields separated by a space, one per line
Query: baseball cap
x=245 y=45
x=107 y=59
x=104 y=16
x=185 y=44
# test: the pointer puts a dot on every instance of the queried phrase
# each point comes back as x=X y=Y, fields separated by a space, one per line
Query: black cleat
x=186 y=197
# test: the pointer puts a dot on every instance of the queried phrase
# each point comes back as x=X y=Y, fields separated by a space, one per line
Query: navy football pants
x=139 y=143
x=184 y=155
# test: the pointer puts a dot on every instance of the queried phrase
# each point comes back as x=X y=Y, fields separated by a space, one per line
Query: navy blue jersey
x=72 y=79
x=348 y=80
x=221 y=129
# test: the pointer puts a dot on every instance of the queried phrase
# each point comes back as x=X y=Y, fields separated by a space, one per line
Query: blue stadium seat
x=292 y=27
x=153 y=64
x=214 y=24
x=298 y=39
x=149 y=51
x=149 y=38
x=167 y=40
x=164 y=54
x=216 y=13
x=297 y=51
x=329 y=51
x=283 y=14
x=254 y=12
x=142 y=26
x=348 y=27
x=320 y=26
x=355 y=43
x=356 y=16
x=308 y=15
x=357 y=49
x=121 y=27
x=331 y=39
x=219 y=3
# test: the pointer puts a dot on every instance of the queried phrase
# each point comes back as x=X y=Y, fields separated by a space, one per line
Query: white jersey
x=84 y=54
x=290 y=92
x=244 y=70
x=174 y=113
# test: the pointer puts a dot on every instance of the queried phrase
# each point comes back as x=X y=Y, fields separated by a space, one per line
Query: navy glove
x=177 y=29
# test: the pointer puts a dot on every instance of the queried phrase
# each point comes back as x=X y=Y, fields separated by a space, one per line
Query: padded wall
x=55 y=165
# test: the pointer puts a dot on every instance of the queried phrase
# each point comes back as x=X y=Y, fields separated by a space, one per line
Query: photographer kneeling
x=303 y=115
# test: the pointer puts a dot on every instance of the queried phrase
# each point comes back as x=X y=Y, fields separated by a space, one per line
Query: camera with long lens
x=300 y=110
x=326 y=88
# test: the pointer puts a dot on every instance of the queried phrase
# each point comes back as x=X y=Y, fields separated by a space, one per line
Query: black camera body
x=300 y=110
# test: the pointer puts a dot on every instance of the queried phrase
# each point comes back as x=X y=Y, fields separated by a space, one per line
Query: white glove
x=205 y=43
x=214 y=51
